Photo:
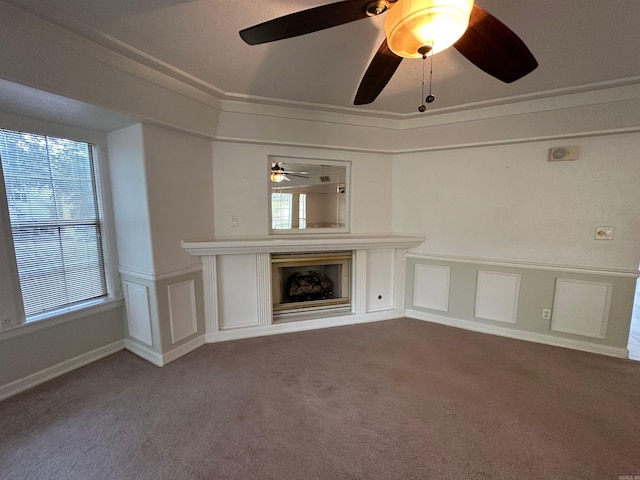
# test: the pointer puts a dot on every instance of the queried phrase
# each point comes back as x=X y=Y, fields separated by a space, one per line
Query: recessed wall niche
x=308 y=195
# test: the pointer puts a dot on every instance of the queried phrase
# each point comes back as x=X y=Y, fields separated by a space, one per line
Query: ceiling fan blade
x=492 y=47
x=378 y=74
x=296 y=175
x=306 y=21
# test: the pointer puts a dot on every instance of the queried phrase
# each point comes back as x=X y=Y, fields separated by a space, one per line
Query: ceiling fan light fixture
x=277 y=177
x=412 y=24
x=277 y=173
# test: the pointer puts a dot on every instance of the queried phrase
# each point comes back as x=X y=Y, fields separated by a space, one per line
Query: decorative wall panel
x=431 y=287
x=497 y=296
x=238 y=291
x=380 y=279
x=182 y=310
x=581 y=307
x=138 y=314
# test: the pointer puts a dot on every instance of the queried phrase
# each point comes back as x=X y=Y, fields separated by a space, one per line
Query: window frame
x=97 y=142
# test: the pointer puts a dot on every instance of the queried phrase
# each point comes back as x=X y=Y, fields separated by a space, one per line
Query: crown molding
x=560 y=99
x=108 y=50
x=131 y=60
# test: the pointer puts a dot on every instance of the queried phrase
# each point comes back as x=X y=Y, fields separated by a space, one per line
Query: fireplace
x=310 y=283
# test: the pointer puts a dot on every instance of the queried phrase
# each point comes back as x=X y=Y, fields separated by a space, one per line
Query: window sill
x=67 y=315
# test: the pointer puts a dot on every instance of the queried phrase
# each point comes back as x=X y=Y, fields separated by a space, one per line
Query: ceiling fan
x=413 y=29
x=279 y=173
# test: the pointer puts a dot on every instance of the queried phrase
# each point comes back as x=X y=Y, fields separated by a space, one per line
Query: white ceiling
x=578 y=43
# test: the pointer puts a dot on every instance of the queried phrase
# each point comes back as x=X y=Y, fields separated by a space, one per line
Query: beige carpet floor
x=401 y=399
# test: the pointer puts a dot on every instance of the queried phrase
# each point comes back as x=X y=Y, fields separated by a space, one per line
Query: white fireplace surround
x=237 y=280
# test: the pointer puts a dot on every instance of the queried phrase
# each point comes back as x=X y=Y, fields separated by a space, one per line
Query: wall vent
x=325 y=178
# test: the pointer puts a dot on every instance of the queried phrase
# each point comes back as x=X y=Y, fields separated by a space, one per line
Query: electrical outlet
x=546 y=314
x=234 y=221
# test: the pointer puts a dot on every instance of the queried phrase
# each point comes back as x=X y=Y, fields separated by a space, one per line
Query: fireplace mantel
x=237 y=280
x=300 y=243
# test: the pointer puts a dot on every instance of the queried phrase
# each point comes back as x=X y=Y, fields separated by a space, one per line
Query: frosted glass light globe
x=412 y=24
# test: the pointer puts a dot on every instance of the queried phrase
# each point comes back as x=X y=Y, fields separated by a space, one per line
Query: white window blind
x=55 y=220
x=281 y=210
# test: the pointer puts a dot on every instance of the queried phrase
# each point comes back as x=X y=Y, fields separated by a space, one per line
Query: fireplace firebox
x=304 y=283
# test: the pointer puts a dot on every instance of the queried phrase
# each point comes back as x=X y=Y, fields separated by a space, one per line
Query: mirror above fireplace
x=308 y=196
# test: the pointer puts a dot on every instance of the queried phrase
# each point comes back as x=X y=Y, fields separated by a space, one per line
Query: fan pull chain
x=424 y=50
x=430 y=98
x=422 y=107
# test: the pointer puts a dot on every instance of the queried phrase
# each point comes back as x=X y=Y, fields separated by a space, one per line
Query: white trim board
x=520 y=335
x=301 y=243
x=37 y=378
x=302 y=325
x=143 y=352
x=158 y=359
x=182 y=350
x=154 y=277
x=605 y=271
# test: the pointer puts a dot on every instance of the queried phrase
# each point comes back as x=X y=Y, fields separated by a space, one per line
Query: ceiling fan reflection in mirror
x=413 y=29
x=279 y=173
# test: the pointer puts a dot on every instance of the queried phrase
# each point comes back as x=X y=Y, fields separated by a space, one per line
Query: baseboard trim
x=519 y=334
x=37 y=378
x=183 y=349
x=301 y=326
x=143 y=352
x=162 y=359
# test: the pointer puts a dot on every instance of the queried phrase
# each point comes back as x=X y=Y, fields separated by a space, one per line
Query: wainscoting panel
x=182 y=310
x=431 y=287
x=237 y=291
x=590 y=307
x=497 y=296
x=138 y=314
x=581 y=307
x=380 y=279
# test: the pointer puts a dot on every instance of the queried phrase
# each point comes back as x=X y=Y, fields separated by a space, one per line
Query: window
x=281 y=210
x=303 y=211
x=285 y=212
x=55 y=220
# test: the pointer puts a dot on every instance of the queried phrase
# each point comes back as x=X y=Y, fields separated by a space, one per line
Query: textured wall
x=509 y=202
x=241 y=186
